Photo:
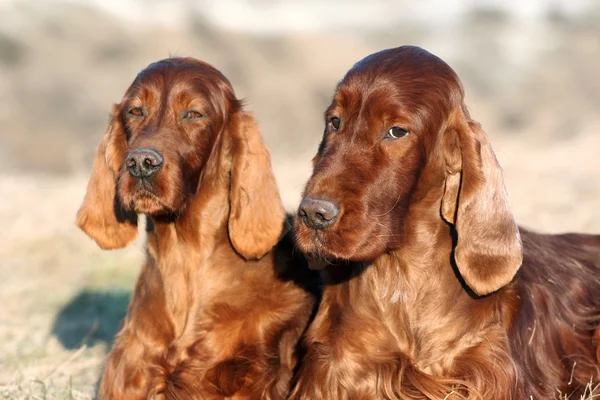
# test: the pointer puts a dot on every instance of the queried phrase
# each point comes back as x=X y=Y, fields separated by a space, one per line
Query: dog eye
x=136 y=111
x=334 y=124
x=192 y=114
x=396 y=132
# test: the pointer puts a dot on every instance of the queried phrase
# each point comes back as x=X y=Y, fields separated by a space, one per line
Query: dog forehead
x=380 y=89
x=412 y=60
x=183 y=65
x=407 y=71
x=172 y=89
x=190 y=73
x=382 y=103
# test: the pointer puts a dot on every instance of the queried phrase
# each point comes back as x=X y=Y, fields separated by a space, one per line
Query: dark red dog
x=217 y=310
x=434 y=291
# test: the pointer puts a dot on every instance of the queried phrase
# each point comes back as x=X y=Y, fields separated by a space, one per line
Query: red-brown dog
x=217 y=310
x=435 y=292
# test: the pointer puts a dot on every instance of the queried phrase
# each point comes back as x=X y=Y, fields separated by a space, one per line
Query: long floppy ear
x=101 y=216
x=257 y=217
x=488 y=250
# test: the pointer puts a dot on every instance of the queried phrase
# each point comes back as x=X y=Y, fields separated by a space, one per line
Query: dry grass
x=62 y=298
x=592 y=391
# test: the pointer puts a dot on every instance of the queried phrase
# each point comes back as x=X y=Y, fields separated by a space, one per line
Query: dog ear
x=488 y=249
x=102 y=216
x=257 y=217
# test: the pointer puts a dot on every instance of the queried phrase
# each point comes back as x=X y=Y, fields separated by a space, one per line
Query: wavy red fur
x=431 y=289
x=221 y=300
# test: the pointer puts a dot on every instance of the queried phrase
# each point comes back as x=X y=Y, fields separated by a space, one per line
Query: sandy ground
x=62 y=298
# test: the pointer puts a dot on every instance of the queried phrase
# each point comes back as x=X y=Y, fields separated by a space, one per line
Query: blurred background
x=531 y=70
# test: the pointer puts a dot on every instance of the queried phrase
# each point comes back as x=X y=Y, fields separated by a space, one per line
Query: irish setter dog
x=221 y=300
x=431 y=288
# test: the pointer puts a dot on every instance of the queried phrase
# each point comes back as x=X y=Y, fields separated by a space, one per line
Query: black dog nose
x=318 y=213
x=143 y=163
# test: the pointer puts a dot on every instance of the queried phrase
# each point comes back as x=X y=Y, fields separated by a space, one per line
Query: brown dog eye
x=136 y=112
x=192 y=114
x=396 y=132
x=335 y=123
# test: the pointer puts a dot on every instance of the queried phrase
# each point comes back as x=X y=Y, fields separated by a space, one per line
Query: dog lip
x=314 y=244
x=143 y=188
x=141 y=194
x=143 y=184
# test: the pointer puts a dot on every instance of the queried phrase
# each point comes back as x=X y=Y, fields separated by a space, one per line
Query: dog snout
x=143 y=163
x=318 y=213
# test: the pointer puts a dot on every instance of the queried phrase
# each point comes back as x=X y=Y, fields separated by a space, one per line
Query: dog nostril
x=318 y=213
x=302 y=213
x=143 y=163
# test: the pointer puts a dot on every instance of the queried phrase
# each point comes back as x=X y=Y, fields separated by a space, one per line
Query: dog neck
x=181 y=248
x=404 y=294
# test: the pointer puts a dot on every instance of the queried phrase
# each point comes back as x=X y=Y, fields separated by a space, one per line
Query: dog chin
x=319 y=257
x=314 y=245
x=144 y=202
x=148 y=206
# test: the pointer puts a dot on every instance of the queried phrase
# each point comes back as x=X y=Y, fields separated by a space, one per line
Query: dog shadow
x=91 y=317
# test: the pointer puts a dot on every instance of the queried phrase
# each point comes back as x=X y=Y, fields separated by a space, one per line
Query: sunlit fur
x=431 y=289
x=221 y=300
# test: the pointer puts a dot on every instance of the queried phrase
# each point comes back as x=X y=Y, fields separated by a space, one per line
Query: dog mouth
x=340 y=243
x=146 y=202
x=320 y=256
x=316 y=245
x=145 y=188
x=141 y=197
